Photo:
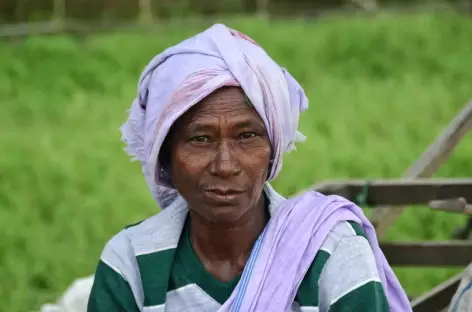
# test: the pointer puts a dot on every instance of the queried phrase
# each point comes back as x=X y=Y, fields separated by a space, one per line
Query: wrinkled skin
x=219 y=155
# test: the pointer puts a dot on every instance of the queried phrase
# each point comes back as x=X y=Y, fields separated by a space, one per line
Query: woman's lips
x=223 y=195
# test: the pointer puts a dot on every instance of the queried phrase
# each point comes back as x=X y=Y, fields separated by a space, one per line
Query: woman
x=213 y=117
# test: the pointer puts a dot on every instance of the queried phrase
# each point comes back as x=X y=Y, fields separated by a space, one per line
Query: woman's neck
x=228 y=242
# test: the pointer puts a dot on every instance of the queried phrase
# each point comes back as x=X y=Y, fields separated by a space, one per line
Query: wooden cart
x=415 y=188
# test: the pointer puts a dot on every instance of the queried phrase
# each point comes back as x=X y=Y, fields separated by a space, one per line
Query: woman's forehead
x=229 y=103
x=225 y=95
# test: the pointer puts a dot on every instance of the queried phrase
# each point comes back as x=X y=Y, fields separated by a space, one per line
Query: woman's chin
x=226 y=214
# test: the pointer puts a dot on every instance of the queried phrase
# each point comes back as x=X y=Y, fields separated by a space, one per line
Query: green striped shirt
x=152 y=267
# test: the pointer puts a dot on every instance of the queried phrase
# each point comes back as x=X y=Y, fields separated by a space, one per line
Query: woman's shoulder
x=342 y=230
x=344 y=263
x=345 y=242
x=334 y=244
x=310 y=283
x=152 y=237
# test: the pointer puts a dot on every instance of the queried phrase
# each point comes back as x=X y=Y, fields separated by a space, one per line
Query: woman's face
x=219 y=156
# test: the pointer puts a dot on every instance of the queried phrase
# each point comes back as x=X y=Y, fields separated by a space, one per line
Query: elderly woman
x=213 y=117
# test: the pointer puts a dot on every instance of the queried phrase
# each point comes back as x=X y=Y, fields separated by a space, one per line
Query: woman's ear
x=271 y=163
x=165 y=155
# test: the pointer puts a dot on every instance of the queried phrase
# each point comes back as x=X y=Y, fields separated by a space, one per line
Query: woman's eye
x=200 y=138
x=247 y=135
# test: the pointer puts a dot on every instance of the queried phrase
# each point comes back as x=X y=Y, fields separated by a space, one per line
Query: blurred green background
x=380 y=88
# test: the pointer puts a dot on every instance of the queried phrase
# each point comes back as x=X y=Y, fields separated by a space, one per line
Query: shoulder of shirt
x=350 y=270
x=334 y=245
x=341 y=230
x=155 y=234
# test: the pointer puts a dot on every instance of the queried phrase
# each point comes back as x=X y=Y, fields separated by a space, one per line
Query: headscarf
x=183 y=75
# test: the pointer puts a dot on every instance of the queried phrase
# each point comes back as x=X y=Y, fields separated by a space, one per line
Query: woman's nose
x=225 y=163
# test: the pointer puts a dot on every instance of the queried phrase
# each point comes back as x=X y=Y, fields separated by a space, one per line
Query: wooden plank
x=53 y=27
x=79 y=27
x=458 y=205
x=438 y=298
x=401 y=192
x=427 y=164
x=428 y=254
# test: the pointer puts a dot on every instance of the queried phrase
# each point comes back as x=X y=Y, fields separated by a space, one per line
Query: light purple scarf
x=183 y=75
x=288 y=246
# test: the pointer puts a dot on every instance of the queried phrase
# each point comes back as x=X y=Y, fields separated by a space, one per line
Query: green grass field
x=381 y=89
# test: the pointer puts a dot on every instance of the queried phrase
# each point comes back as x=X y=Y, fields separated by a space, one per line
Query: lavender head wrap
x=184 y=74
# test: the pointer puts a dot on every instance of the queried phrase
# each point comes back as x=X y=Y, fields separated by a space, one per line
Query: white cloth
x=74 y=299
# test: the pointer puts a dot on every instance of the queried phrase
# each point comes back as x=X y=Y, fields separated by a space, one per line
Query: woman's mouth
x=220 y=194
